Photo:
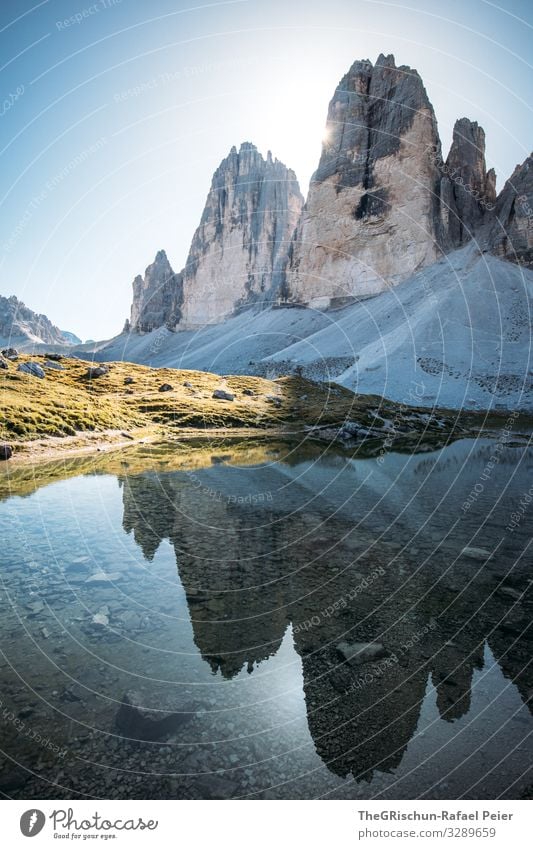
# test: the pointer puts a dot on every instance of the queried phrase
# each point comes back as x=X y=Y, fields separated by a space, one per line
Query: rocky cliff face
x=17 y=321
x=238 y=252
x=372 y=214
x=383 y=203
x=510 y=235
x=157 y=297
x=467 y=190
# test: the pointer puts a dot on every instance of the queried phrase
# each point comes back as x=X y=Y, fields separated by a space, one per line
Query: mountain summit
x=238 y=253
x=382 y=205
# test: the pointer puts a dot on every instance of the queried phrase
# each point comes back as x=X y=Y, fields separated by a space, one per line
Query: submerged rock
x=475 y=553
x=103 y=577
x=137 y=722
x=101 y=619
x=358 y=653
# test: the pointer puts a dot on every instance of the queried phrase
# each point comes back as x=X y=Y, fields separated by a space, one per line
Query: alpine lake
x=269 y=619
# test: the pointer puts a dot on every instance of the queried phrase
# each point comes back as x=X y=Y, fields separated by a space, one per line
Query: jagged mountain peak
x=382 y=204
x=238 y=252
x=511 y=233
x=157 y=297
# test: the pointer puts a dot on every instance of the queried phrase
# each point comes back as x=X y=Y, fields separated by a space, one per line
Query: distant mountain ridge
x=20 y=325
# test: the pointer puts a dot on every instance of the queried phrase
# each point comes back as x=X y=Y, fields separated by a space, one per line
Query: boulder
x=10 y=353
x=128 y=380
x=96 y=371
x=53 y=364
x=31 y=368
x=222 y=395
x=166 y=387
x=3 y=362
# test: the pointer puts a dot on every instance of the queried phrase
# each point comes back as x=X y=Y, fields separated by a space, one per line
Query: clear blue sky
x=112 y=124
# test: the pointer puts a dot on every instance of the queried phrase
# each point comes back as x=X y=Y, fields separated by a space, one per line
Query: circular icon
x=32 y=822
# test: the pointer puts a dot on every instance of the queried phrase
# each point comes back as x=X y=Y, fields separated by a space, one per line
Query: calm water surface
x=183 y=634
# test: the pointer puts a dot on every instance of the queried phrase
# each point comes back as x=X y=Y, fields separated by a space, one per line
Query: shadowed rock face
x=372 y=108
x=238 y=252
x=383 y=203
x=157 y=297
x=468 y=191
x=372 y=215
x=511 y=234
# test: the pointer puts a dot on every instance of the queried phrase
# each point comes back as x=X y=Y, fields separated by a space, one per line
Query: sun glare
x=326 y=135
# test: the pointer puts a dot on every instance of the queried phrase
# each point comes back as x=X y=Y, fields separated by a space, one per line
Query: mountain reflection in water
x=336 y=626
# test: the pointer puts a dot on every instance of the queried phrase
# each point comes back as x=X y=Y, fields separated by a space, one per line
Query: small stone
x=35 y=607
x=128 y=380
x=101 y=619
x=5 y=451
x=510 y=592
x=358 y=653
x=218 y=459
x=166 y=387
x=25 y=712
x=188 y=384
x=249 y=392
x=3 y=363
x=222 y=395
x=475 y=553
